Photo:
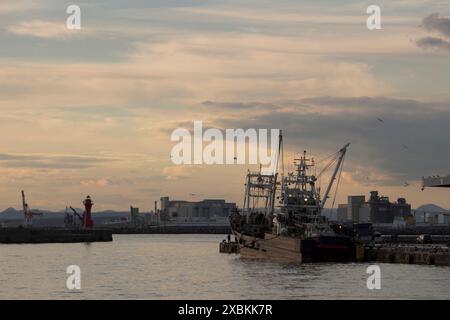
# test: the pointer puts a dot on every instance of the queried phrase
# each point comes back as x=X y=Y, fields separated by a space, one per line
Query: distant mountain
x=11 y=211
x=10 y=214
x=431 y=208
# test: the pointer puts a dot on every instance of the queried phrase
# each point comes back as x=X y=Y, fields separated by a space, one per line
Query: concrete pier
x=438 y=255
x=409 y=254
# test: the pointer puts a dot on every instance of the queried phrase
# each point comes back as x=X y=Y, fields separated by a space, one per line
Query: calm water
x=190 y=267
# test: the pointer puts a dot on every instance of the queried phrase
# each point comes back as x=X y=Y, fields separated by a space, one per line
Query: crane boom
x=333 y=177
x=76 y=213
x=24 y=203
x=27 y=215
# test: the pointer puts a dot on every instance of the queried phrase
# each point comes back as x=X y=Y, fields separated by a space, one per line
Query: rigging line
x=339 y=180
x=327 y=166
x=331 y=161
x=328 y=157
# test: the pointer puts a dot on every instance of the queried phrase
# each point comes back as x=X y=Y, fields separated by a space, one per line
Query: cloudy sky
x=90 y=111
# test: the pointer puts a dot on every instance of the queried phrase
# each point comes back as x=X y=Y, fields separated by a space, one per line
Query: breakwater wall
x=175 y=229
x=52 y=235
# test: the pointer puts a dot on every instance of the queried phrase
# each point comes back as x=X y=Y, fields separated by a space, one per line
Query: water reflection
x=190 y=267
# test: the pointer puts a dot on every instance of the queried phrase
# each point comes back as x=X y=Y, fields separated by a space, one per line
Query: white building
x=199 y=211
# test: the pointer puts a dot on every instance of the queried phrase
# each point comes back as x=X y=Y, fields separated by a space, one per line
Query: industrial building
x=436 y=218
x=196 y=211
x=140 y=220
x=378 y=209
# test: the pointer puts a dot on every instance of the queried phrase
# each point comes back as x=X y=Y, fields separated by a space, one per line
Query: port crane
x=76 y=213
x=27 y=213
x=85 y=218
x=69 y=219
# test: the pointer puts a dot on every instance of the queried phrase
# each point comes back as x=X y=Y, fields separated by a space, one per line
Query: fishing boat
x=281 y=219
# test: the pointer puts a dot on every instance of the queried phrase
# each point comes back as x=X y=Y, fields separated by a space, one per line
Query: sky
x=91 y=111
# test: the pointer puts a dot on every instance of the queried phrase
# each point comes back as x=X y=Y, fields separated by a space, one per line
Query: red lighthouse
x=87 y=221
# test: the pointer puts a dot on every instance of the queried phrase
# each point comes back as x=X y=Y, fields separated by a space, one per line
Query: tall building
x=188 y=211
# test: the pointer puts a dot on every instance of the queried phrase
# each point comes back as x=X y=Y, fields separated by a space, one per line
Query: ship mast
x=261 y=187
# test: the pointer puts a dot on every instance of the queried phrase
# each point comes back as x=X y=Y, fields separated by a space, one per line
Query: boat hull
x=295 y=250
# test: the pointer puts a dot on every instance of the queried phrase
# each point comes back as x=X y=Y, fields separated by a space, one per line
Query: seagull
x=381 y=120
x=406 y=184
x=405 y=147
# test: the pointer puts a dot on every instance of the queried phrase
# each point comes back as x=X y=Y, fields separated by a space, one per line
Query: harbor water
x=191 y=267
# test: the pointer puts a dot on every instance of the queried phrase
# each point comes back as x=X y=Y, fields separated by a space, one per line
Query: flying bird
x=381 y=120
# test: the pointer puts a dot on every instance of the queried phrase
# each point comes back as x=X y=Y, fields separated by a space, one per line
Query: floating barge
x=38 y=235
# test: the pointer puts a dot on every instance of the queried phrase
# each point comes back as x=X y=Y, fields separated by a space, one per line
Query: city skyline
x=91 y=111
